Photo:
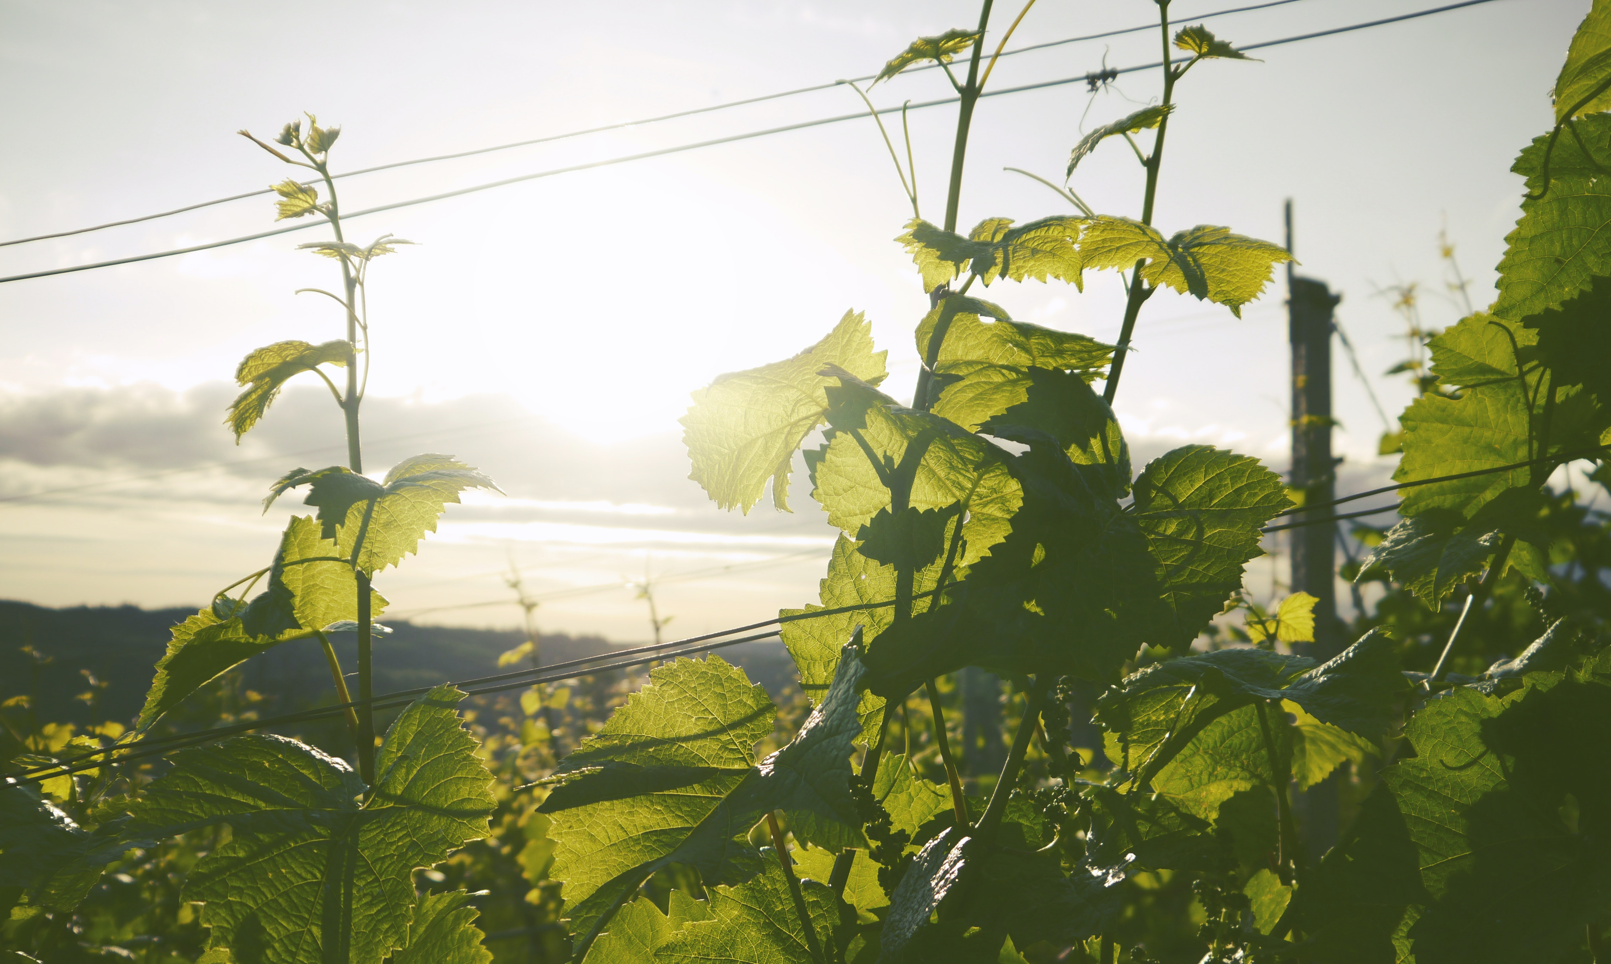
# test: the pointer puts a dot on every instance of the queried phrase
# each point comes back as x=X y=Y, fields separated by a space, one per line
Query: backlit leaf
x=308 y=859
x=295 y=199
x=1200 y=42
x=391 y=517
x=443 y=932
x=639 y=929
x=1202 y=510
x=672 y=777
x=938 y=49
x=1144 y=119
x=1587 y=68
x=756 y=923
x=1209 y=263
x=1041 y=249
x=1560 y=244
x=744 y=428
x=1293 y=622
x=267 y=369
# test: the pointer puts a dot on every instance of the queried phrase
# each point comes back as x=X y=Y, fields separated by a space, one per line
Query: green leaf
x=374 y=523
x=1319 y=748
x=1294 y=621
x=1227 y=757
x=756 y=923
x=443 y=932
x=938 y=49
x=958 y=321
x=307 y=858
x=1148 y=831
x=1509 y=877
x=346 y=250
x=1560 y=244
x=267 y=369
x=1144 y=119
x=879 y=447
x=1207 y=262
x=672 y=777
x=862 y=890
x=1430 y=554
x=744 y=428
x=1587 y=68
x=48 y=856
x=1047 y=248
x=1069 y=591
x=1267 y=898
x=295 y=199
x=1203 y=44
x=1202 y=510
x=908 y=539
x=310 y=586
x=815 y=644
x=1158 y=711
x=303 y=597
x=639 y=929
x=910 y=800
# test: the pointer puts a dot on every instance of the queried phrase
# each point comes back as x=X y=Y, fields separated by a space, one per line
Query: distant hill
x=121 y=644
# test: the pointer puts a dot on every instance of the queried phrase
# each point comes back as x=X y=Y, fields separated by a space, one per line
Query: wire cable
x=622 y=125
x=697 y=145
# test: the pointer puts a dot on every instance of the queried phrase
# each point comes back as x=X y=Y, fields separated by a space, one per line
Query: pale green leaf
x=862 y=890
x=639 y=929
x=1294 y=621
x=267 y=369
x=744 y=428
x=1047 y=248
x=1202 y=510
x=965 y=336
x=308 y=858
x=1212 y=264
x=295 y=199
x=1580 y=88
x=938 y=49
x=1144 y=119
x=376 y=524
x=1202 y=43
x=310 y=586
x=443 y=932
x=1118 y=243
x=1227 y=757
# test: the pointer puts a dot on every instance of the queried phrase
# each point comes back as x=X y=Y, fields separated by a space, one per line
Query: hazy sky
x=550 y=332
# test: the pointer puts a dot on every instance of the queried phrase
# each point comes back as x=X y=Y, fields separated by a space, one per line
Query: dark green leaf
x=308 y=859
x=48 y=856
x=267 y=369
x=1144 y=119
x=744 y=428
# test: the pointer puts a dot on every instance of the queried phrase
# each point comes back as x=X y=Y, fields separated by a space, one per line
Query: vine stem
x=1288 y=852
x=969 y=94
x=340 y=681
x=1483 y=587
x=840 y=875
x=997 y=808
x=782 y=849
x=959 y=802
x=1139 y=293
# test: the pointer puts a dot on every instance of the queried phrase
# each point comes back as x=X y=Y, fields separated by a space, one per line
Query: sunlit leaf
x=295 y=199
x=1578 y=89
x=308 y=858
x=1202 y=43
x=1144 y=119
x=267 y=369
x=743 y=430
x=938 y=49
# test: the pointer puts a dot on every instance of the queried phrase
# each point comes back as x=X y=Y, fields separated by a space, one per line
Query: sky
x=550 y=332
